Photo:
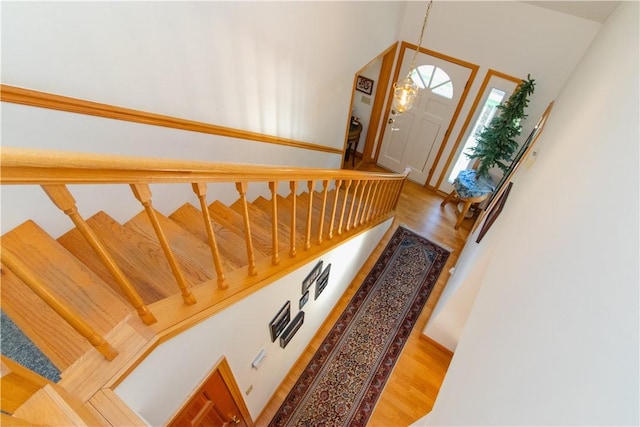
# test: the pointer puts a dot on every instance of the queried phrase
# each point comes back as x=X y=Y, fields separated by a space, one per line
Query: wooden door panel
x=211 y=406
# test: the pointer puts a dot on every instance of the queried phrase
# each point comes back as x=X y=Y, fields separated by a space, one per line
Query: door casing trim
x=474 y=71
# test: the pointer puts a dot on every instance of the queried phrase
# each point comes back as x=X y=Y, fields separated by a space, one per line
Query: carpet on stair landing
x=343 y=381
x=18 y=347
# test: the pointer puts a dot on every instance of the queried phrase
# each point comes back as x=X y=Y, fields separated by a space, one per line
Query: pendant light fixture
x=405 y=92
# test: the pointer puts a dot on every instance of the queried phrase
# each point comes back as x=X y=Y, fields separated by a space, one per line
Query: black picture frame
x=280 y=321
x=322 y=282
x=311 y=277
x=303 y=300
x=494 y=212
x=292 y=329
x=364 y=84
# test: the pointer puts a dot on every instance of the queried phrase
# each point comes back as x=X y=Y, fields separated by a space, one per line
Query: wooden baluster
x=388 y=196
x=200 y=188
x=242 y=190
x=353 y=202
x=344 y=206
x=367 y=203
x=62 y=198
x=335 y=207
x=356 y=215
x=325 y=188
x=307 y=243
x=273 y=186
x=397 y=198
x=20 y=269
x=373 y=201
x=142 y=192
x=293 y=185
x=397 y=185
x=381 y=196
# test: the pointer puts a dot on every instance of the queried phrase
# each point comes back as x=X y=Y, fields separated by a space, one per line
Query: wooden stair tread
x=231 y=219
x=188 y=248
x=284 y=224
x=71 y=282
x=232 y=247
x=286 y=204
x=140 y=258
x=263 y=220
x=48 y=331
x=53 y=405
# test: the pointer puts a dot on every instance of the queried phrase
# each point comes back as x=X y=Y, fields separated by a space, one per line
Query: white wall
x=553 y=337
x=278 y=68
x=24 y=126
x=509 y=36
x=363 y=103
x=239 y=333
x=268 y=67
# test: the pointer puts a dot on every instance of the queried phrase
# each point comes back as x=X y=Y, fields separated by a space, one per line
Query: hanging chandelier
x=405 y=92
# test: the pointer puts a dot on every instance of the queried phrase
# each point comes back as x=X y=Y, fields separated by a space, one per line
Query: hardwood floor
x=413 y=386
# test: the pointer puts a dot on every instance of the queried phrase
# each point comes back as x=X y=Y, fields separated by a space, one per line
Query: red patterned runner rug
x=343 y=381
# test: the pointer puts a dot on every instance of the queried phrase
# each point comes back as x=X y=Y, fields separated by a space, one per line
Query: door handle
x=235 y=420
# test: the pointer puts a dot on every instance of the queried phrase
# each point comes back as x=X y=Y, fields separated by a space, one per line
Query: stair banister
x=63 y=199
x=293 y=186
x=335 y=208
x=353 y=204
x=325 y=188
x=307 y=243
x=142 y=192
x=344 y=206
x=242 y=191
x=273 y=186
x=200 y=188
x=14 y=264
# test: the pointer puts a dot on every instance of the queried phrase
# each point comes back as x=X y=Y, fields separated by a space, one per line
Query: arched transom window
x=434 y=78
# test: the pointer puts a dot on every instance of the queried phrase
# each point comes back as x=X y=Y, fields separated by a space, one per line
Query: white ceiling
x=593 y=10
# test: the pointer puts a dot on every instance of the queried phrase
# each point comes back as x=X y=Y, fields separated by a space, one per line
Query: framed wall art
x=322 y=282
x=364 y=84
x=492 y=215
x=303 y=300
x=280 y=321
x=311 y=277
x=292 y=329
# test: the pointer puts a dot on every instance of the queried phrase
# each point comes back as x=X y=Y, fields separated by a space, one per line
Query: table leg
x=465 y=208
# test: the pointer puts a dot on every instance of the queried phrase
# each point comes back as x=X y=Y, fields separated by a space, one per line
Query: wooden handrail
x=52 y=101
x=22 y=166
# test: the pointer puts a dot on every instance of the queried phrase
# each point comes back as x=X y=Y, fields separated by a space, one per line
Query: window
x=434 y=78
x=486 y=115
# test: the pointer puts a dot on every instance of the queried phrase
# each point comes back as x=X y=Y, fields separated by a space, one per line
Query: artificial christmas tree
x=496 y=143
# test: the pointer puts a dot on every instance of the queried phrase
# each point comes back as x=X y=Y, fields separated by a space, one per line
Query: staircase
x=101 y=296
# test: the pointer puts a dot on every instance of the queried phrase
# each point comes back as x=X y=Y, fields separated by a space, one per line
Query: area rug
x=343 y=381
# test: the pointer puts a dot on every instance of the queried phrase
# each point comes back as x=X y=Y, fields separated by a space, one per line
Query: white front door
x=412 y=139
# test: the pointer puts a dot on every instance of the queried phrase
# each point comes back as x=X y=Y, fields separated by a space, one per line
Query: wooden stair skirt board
x=74 y=273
